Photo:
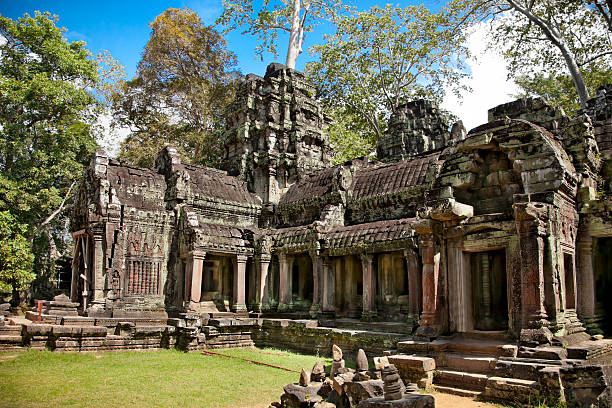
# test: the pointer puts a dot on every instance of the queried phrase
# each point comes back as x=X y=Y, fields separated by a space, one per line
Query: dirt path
x=442 y=401
x=454 y=401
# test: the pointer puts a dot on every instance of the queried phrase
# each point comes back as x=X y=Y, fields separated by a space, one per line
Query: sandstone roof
x=392 y=178
x=213 y=183
x=137 y=187
x=314 y=185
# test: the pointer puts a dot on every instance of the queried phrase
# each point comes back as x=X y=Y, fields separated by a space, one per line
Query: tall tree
x=16 y=258
x=380 y=58
x=184 y=81
x=295 y=17
x=46 y=110
x=545 y=39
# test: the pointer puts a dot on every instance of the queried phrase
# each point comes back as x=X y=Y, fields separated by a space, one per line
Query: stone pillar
x=239 y=284
x=262 y=296
x=197 y=266
x=532 y=233
x=369 y=287
x=429 y=325
x=585 y=291
x=315 y=308
x=98 y=266
x=285 y=285
x=329 y=284
x=414 y=288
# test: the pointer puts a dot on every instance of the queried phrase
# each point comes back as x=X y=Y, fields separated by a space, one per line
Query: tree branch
x=54 y=214
x=593 y=58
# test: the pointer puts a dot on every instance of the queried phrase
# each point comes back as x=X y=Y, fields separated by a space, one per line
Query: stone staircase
x=10 y=337
x=486 y=366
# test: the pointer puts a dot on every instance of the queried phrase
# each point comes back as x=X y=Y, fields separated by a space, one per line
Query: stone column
x=414 y=289
x=429 y=323
x=532 y=232
x=285 y=289
x=585 y=291
x=315 y=308
x=369 y=287
x=262 y=296
x=329 y=286
x=197 y=266
x=98 y=266
x=239 y=284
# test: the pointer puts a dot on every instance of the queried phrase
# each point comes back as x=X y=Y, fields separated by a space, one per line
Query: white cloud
x=109 y=137
x=489 y=83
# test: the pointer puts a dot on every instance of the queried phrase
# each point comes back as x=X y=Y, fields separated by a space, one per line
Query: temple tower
x=416 y=127
x=276 y=132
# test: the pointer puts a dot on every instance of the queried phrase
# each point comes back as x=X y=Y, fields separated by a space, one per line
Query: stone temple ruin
x=487 y=253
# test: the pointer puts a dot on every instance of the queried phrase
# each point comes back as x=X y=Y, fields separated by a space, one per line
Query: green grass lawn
x=146 y=379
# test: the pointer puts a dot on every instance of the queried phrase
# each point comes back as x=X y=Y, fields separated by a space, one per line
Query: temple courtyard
x=157 y=379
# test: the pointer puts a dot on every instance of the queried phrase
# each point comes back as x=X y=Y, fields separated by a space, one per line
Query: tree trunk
x=294 y=36
x=557 y=41
x=572 y=66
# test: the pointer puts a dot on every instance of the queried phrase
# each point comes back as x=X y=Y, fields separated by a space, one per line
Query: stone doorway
x=302 y=283
x=569 y=279
x=489 y=290
x=602 y=272
x=348 y=286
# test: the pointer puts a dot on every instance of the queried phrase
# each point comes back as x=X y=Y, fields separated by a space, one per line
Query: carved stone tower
x=416 y=127
x=276 y=132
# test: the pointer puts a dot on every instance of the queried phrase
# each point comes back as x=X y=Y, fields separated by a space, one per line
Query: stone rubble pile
x=343 y=387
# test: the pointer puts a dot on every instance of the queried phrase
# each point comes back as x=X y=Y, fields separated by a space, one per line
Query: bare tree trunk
x=294 y=35
x=557 y=40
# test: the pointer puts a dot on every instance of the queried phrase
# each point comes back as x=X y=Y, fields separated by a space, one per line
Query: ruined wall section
x=275 y=133
x=600 y=111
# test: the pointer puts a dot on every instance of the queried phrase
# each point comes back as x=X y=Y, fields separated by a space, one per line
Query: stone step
x=457 y=391
x=482 y=347
x=512 y=389
x=10 y=330
x=466 y=363
x=8 y=339
x=459 y=379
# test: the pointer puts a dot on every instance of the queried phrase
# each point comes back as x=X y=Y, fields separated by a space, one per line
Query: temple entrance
x=348 y=286
x=301 y=282
x=570 y=291
x=602 y=259
x=490 y=301
x=211 y=282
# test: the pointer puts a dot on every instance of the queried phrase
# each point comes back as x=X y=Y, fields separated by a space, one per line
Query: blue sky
x=122 y=27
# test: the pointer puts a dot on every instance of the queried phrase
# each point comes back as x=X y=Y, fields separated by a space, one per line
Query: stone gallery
x=506 y=228
x=477 y=261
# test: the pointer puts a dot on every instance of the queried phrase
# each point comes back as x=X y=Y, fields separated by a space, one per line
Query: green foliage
x=548 y=40
x=559 y=89
x=380 y=58
x=184 y=81
x=16 y=259
x=350 y=136
x=47 y=107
